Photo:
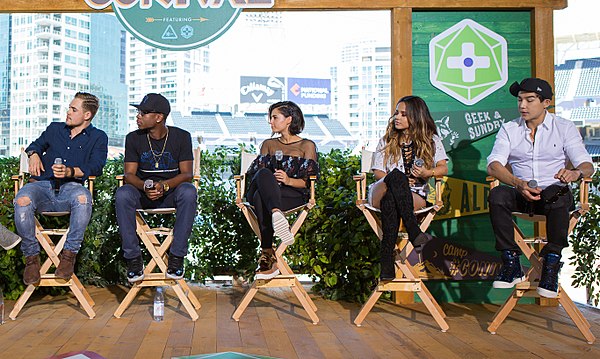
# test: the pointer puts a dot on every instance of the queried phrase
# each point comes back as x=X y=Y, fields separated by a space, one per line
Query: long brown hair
x=421 y=129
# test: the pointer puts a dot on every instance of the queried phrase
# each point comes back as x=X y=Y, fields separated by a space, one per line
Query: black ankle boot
x=388 y=266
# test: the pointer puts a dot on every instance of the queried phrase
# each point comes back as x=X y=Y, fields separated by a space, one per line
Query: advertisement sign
x=305 y=91
x=254 y=89
x=178 y=24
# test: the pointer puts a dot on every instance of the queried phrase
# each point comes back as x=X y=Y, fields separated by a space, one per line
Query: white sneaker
x=282 y=228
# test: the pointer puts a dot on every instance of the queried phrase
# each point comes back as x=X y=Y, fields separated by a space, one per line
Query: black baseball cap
x=532 y=84
x=154 y=102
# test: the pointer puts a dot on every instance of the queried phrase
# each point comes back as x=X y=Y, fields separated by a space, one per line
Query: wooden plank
x=81 y=6
x=402 y=70
x=204 y=339
x=228 y=338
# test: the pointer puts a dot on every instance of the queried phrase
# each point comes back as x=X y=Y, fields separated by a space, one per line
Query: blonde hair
x=421 y=129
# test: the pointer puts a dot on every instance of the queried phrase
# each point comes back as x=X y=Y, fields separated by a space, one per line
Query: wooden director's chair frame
x=286 y=278
x=530 y=248
x=52 y=250
x=158 y=251
x=407 y=277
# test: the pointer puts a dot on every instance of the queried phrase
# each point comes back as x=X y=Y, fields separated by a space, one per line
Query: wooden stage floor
x=276 y=325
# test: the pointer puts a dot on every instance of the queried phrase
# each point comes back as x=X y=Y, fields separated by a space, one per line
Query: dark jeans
x=504 y=200
x=265 y=194
x=128 y=199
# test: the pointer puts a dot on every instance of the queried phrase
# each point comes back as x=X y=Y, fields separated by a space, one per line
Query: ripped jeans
x=72 y=197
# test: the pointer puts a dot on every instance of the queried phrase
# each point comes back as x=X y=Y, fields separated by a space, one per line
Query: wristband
x=72 y=171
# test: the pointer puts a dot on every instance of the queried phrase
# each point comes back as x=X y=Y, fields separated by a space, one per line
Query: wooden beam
x=542 y=43
x=81 y=6
x=401 y=49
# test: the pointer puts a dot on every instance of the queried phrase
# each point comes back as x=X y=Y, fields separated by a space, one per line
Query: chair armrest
x=196 y=181
x=494 y=182
x=361 y=186
x=90 y=184
x=240 y=187
x=313 y=180
x=584 y=192
x=18 y=181
x=438 y=191
x=120 y=179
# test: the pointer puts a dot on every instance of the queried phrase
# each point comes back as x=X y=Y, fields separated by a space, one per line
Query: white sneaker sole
x=135 y=279
x=281 y=227
x=267 y=275
x=546 y=293
x=12 y=245
x=505 y=285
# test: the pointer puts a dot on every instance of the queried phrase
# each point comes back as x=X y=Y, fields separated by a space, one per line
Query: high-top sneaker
x=548 y=286
x=511 y=272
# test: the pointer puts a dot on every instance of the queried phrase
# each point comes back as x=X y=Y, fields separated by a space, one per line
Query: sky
x=580 y=16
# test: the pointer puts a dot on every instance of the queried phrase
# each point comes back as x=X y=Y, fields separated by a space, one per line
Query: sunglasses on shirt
x=561 y=192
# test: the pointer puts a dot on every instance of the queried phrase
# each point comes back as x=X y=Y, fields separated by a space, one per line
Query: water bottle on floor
x=159 y=305
x=1 y=307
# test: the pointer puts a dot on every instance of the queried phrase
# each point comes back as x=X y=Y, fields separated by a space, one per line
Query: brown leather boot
x=67 y=264
x=31 y=275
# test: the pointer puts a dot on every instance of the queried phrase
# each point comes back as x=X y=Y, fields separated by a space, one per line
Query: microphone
x=57 y=161
x=279 y=158
x=531 y=184
x=148 y=184
x=419 y=162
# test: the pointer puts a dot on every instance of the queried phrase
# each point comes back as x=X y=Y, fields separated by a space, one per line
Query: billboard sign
x=309 y=91
x=255 y=89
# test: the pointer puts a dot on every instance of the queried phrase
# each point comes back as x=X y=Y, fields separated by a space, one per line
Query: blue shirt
x=87 y=150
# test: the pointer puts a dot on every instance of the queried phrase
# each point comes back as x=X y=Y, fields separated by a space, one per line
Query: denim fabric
x=128 y=199
x=43 y=198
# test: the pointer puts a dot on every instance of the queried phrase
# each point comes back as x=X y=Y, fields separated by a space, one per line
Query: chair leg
x=188 y=292
x=503 y=312
x=307 y=305
x=366 y=308
x=433 y=307
x=22 y=301
x=576 y=316
x=131 y=294
x=185 y=301
x=245 y=302
x=82 y=300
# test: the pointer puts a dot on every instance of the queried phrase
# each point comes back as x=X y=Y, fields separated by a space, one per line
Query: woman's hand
x=420 y=172
x=282 y=177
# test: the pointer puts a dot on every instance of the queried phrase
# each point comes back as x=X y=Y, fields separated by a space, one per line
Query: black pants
x=265 y=194
x=504 y=200
x=397 y=203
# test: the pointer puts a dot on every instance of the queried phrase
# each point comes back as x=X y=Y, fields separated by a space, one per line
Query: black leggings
x=395 y=204
x=265 y=194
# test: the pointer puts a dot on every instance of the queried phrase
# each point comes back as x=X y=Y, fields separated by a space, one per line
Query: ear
x=87 y=116
x=546 y=103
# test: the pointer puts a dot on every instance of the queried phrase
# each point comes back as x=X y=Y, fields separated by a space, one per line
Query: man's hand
x=60 y=171
x=35 y=165
x=530 y=194
x=155 y=192
x=568 y=176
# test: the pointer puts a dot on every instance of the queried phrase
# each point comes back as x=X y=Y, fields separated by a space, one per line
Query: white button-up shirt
x=557 y=142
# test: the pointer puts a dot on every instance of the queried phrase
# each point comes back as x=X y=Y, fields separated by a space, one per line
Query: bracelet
x=433 y=172
x=72 y=171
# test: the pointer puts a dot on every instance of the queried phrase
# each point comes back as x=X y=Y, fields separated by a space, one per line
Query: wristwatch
x=165 y=186
x=580 y=173
x=30 y=153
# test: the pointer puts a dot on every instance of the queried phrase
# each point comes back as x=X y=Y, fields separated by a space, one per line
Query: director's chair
x=158 y=251
x=52 y=250
x=286 y=278
x=407 y=277
x=531 y=247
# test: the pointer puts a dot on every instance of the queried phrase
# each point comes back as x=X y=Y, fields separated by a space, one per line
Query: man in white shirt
x=538 y=147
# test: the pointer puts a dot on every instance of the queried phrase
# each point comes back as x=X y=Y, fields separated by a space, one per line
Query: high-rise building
x=180 y=76
x=107 y=76
x=361 y=89
x=50 y=60
x=5 y=35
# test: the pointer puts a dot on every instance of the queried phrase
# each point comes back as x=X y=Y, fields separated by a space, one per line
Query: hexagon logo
x=468 y=61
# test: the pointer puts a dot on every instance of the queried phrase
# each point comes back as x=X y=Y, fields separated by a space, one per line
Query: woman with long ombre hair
x=407 y=155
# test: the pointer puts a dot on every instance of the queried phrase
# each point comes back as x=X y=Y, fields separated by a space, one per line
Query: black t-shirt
x=151 y=163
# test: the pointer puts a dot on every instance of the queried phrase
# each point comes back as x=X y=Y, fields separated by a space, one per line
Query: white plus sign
x=468 y=62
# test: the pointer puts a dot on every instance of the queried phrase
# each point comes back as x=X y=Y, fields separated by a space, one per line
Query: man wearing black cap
x=538 y=147
x=158 y=171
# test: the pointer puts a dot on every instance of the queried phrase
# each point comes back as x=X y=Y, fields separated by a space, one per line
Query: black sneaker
x=511 y=272
x=135 y=269
x=548 y=286
x=175 y=267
